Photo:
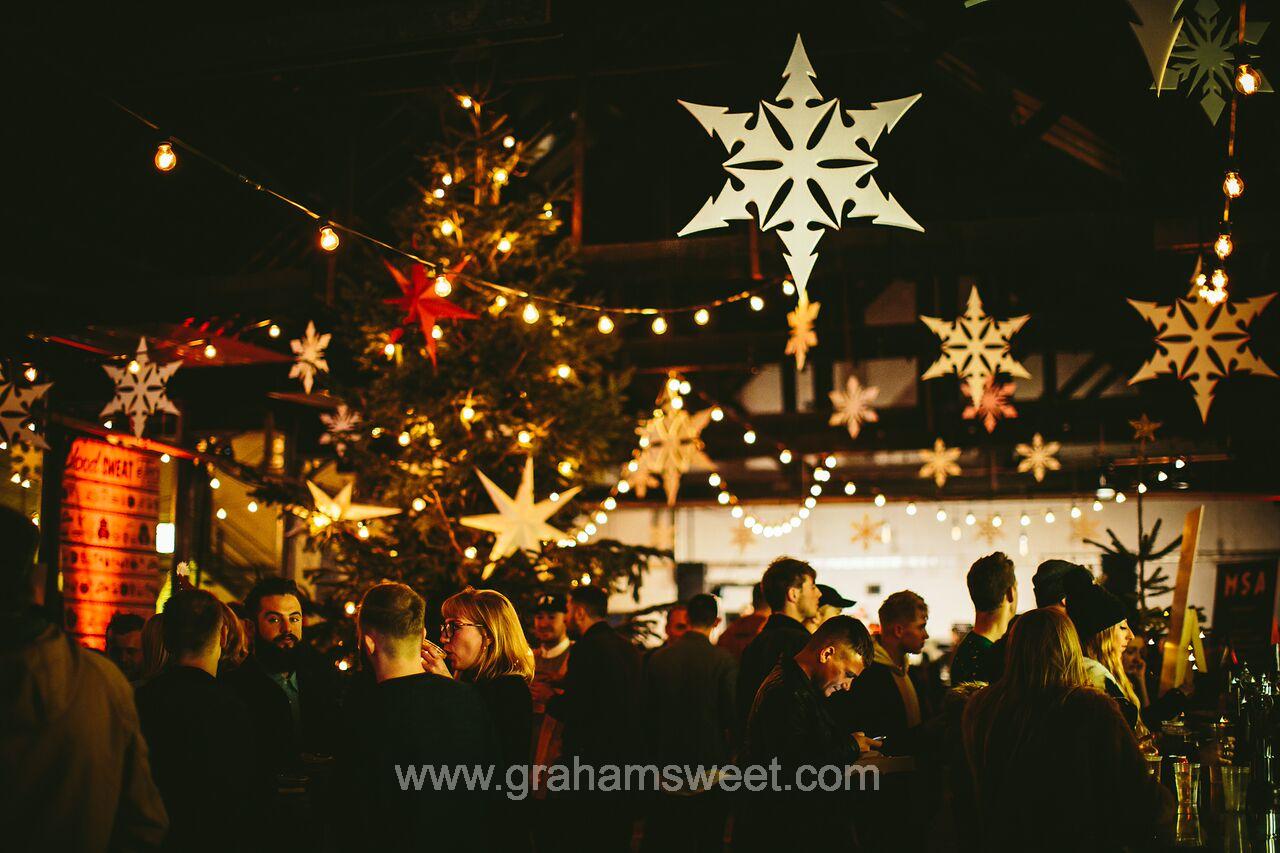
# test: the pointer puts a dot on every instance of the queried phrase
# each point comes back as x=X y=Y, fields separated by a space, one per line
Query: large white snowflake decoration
x=852 y=406
x=520 y=524
x=975 y=347
x=803 y=162
x=141 y=388
x=1202 y=343
x=802 y=336
x=671 y=444
x=308 y=356
x=1205 y=55
x=16 y=424
x=341 y=428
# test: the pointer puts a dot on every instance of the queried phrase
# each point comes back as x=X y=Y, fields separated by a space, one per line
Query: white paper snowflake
x=672 y=446
x=803 y=162
x=141 y=388
x=802 y=337
x=1038 y=457
x=341 y=428
x=16 y=424
x=940 y=463
x=852 y=406
x=520 y=524
x=975 y=347
x=308 y=354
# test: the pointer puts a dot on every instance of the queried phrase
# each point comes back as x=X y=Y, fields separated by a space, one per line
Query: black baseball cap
x=550 y=602
x=832 y=598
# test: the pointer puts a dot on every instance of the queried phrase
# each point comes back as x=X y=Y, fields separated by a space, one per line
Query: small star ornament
x=866 y=532
x=141 y=388
x=975 y=347
x=308 y=356
x=802 y=337
x=420 y=303
x=743 y=538
x=16 y=424
x=335 y=509
x=987 y=530
x=672 y=442
x=803 y=163
x=1038 y=457
x=1144 y=429
x=852 y=406
x=940 y=463
x=994 y=404
x=520 y=524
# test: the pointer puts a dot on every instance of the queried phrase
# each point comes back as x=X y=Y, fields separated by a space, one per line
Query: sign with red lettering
x=108 y=560
x=1244 y=605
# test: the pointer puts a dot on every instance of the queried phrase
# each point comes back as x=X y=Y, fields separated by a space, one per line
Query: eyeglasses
x=453 y=626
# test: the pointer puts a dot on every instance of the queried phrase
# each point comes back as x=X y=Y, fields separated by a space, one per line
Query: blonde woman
x=1103 y=632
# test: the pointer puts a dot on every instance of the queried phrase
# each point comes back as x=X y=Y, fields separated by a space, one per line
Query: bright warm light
x=467 y=414
x=1161 y=476
x=1219 y=278
x=611 y=503
x=911 y=509
x=419 y=504
x=565 y=468
x=685 y=387
x=1097 y=506
x=446 y=227
x=604 y=324
x=31 y=374
x=1248 y=81
x=757 y=303
x=508 y=141
x=623 y=487
x=673 y=385
x=273 y=331
x=403 y=439
x=1142 y=488
x=222 y=514
x=465 y=102
x=880 y=500
x=165 y=535
x=749 y=436
x=499 y=303
x=941 y=515
x=815 y=490
x=788 y=287
x=785 y=457
x=1179 y=463
x=1049 y=517
x=677 y=402
x=659 y=325
x=717 y=414
x=821 y=475
x=970 y=519
x=446 y=179
x=504 y=245
x=389 y=350
x=524 y=438
x=702 y=316
x=436 y=333
x=165 y=458
x=362 y=532
x=997 y=521
x=166 y=158
x=252 y=506
x=349 y=608
x=1120 y=497
x=134 y=366
x=530 y=314
x=850 y=489
x=1076 y=512
x=210 y=351
x=328 y=238
x=736 y=512
x=1233 y=185
x=443 y=286
x=500 y=176
x=215 y=484
x=714 y=480
x=723 y=497
x=564 y=371
x=830 y=461
x=438 y=192
x=1024 y=520
x=1223 y=245
x=956 y=533
x=470 y=552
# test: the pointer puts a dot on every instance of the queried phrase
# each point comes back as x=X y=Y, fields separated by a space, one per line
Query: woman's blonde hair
x=507 y=652
x=1103 y=648
x=236 y=648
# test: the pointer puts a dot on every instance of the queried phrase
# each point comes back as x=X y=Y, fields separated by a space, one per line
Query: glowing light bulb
x=134 y=366
x=349 y=608
x=970 y=519
x=465 y=102
x=564 y=371
x=443 y=286
x=677 y=402
x=623 y=487
x=1076 y=512
x=165 y=458
x=956 y=533
x=821 y=475
x=436 y=333
x=500 y=176
x=1233 y=185
x=530 y=314
x=830 y=461
x=419 y=504
x=548 y=211
x=1049 y=517
x=736 y=512
x=757 y=303
x=273 y=331
x=810 y=502
x=1142 y=488
x=1120 y=497
x=31 y=374
x=1179 y=463
x=611 y=503
x=749 y=436
x=1222 y=246
x=1248 y=80
x=717 y=414
x=1219 y=278
x=215 y=484
x=685 y=387
x=714 y=480
x=252 y=506
x=997 y=521
x=604 y=325
x=467 y=414
x=446 y=227
x=941 y=514
x=815 y=490
x=785 y=457
x=166 y=157
x=880 y=500
x=403 y=439
x=911 y=508
x=222 y=514
x=1161 y=476
x=210 y=351
x=659 y=325
x=362 y=532
x=673 y=385
x=504 y=245
x=723 y=498
x=788 y=287
x=850 y=489
x=508 y=141
x=328 y=238
x=524 y=438
x=565 y=468
x=1097 y=506
x=1024 y=520
x=446 y=179
x=438 y=192
x=389 y=350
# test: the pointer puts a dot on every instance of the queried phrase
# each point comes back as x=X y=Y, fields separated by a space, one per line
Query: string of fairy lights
x=1212 y=286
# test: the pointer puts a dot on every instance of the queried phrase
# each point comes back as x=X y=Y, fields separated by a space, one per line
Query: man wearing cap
x=1050 y=584
x=830 y=603
x=550 y=661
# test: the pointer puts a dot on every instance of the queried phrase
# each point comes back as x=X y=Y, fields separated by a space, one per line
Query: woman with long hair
x=1054 y=765
x=154 y=655
x=1103 y=631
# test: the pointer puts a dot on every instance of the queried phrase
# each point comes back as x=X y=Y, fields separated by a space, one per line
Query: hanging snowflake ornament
x=422 y=305
x=866 y=532
x=308 y=356
x=742 y=538
x=1202 y=343
x=26 y=462
x=1038 y=457
x=1157 y=30
x=987 y=530
x=520 y=524
x=16 y=422
x=994 y=404
x=341 y=428
x=672 y=446
x=852 y=406
x=940 y=463
x=335 y=509
x=1084 y=529
x=1207 y=52
x=803 y=162
x=141 y=388
x=640 y=478
x=975 y=347
x=803 y=336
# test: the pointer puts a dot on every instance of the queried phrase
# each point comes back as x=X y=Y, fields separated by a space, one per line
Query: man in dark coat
x=75 y=764
x=789 y=725
x=597 y=704
x=689 y=708
x=199 y=734
x=791 y=590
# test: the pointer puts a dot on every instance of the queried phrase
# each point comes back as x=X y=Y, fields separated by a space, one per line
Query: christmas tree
x=458 y=370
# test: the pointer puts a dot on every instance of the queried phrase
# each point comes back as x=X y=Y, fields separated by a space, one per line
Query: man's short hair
x=124 y=623
x=783 y=575
x=265 y=587
x=841 y=631
x=192 y=619
x=18 y=541
x=901 y=608
x=592 y=599
x=757 y=596
x=393 y=611
x=703 y=610
x=990 y=578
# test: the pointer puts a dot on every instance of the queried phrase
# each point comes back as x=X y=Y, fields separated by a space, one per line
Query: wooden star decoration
x=866 y=531
x=141 y=388
x=994 y=404
x=1144 y=429
x=16 y=424
x=672 y=446
x=940 y=463
x=987 y=530
x=420 y=304
x=335 y=509
x=1038 y=457
x=975 y=347
x=520 y=524
x=802 y=337
x=1201 y=343
x=852 y=406
x=743 y=538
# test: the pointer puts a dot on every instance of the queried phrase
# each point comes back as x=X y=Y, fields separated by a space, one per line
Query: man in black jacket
x=789 y=724
x=596 y=703
x=791 y=590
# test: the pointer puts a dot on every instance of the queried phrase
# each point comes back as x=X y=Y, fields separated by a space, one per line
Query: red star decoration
x=994 y=404
x=420 y=303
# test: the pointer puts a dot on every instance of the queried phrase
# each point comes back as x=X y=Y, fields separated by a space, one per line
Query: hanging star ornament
x=802 y=336
x=16 y=424
x=1206 y=52
x=341 y=428
x=975 y=347
x=852 y=406
x=141 y=388
x=1038 y=457
x=743 y=538
x=994 y=404
x=940 y=463
x=520 y=524
x=1083 y=529
x=1144 y=429
x=987 y=530
x=803 y=162
x=1202 y=343
x=335 y=509
x=308 y=356
x=420 y=303
x=672 y=446
x=866 y=531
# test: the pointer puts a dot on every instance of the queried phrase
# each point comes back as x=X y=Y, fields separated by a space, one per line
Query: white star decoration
x=866 y=531
x=852 y=406
x=341 y=427
x=1038 y=456
x=308 y=354
x=519 y=524
x=940 y=463
x=803 y=162
x=975 y=347
x=673 y=447
x=141 y=388
x=338 y=508
x=15 y=412
x=802 y=337
x=1202 y=343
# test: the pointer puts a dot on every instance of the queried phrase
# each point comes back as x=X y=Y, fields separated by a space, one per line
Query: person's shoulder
x=506 y=686
x=101 y=669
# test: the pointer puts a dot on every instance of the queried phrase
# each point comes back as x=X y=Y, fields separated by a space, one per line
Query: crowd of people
x=210 y=727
